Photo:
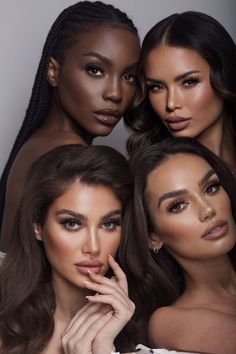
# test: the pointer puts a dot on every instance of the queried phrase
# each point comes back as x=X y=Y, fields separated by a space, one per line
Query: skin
x=203 y=319
x=178 y=82
x=76 y=230
x=97 y=73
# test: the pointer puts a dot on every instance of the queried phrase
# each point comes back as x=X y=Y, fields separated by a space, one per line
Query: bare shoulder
x=201 y=330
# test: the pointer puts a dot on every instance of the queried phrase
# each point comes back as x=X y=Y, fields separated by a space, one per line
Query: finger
x=76 y=343
x=97 y=279
x=119 y=274
x=122 y=310
x=82 y=315
x=106 y=290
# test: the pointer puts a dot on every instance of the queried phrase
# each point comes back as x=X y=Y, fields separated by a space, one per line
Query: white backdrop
x=24 y=25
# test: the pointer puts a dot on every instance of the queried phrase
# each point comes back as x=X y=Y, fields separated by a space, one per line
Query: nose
x=173 y=100
x=91 y=243
x=207 y=211
x=113 y=90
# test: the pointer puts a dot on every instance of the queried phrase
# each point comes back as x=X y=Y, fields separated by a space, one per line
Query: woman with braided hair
x=84 y=84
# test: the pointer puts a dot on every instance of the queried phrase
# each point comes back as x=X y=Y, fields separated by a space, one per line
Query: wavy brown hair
x=157 y=281
x=27 y=300
x=213 y=43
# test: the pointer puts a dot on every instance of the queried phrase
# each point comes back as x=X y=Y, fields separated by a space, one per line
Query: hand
x=83 y=328
x=113 y=292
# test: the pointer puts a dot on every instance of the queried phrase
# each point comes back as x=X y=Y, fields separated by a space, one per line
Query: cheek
x=157 y=102
x=205 y=102
x=177 y=228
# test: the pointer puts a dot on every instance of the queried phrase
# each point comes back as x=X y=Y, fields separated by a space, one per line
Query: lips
x=177 y=123
x=108 y=116
x=217 y=230
x=89 y=266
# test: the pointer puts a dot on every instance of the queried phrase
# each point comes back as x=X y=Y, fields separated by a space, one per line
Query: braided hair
x=72 y=21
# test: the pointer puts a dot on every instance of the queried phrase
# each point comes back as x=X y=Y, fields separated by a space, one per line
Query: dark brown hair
x=159 y=282
x=27 y=300
x=209 y=39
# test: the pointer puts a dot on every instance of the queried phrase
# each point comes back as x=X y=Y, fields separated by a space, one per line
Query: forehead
x=91 y=201
x=181 y=171
x=111 y=42
x=176 y=59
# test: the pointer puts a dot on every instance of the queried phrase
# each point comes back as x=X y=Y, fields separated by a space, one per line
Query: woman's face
x=96 y=82
x=189 y=209
x=82 y=227
x=180 y=92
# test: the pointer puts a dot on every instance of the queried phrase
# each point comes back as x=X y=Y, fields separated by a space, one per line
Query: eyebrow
x=181 y=192
x=177 y=78
x=107 y=61
x=205 y=178
x=83 y=217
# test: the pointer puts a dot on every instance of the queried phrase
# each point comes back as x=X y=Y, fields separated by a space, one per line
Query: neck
x=219 y=139
x=214 y=275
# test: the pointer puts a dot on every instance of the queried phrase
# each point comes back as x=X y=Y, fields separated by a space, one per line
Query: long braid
x=72 y=21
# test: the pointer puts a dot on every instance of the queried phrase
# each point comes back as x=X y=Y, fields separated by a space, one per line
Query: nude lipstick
x=108 y=116
x=177 y=123
x=217 y=230
x=86 y=266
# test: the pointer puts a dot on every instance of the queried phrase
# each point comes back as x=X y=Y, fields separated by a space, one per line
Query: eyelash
x=171 y=207
x=213 y=183
x=191 y=81
x=115 y=222
x=90 y=68
x=65 y=223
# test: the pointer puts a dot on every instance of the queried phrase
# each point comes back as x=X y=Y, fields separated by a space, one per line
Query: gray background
x=24 y=25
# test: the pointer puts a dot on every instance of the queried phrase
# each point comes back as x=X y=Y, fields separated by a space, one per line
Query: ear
x=53 y=72
x=154 y=242
x=38 y=232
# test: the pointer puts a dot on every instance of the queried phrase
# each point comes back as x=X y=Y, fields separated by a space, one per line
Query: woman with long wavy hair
x=57 y=294
x=184 y=210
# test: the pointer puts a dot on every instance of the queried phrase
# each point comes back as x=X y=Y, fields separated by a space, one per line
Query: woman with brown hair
x=57 y=294
x=184 y=209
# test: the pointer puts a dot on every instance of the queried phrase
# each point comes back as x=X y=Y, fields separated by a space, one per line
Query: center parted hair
x=205 y=35
x=160 y=281
x=71 y=23
x=27 y=300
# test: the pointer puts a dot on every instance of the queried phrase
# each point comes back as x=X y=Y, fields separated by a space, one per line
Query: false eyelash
x=171 y=206
x=195 y=79
x=215 y=182
x=91 y=67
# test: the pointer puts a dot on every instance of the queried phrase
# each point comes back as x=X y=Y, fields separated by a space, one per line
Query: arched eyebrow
x=80 y=216
x=181 y=192
x=177 y=78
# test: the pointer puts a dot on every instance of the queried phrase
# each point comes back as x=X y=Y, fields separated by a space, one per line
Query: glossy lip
x=108 y=116
x=217 y=230
x=89 y=266
x=177 y=123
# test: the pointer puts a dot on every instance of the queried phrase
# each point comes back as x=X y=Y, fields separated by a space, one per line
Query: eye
x=94 y=70
x=71 y=224
x=155 y=88
x=191 y=81
x=212 y=187
x=129 y=77
x=111 y=225
x=177 y=206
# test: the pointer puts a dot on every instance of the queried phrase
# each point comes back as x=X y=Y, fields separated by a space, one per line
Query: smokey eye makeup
x=71 y=224
x=191 y=81
x=94 y=69
x=176 y=206
x=111 y=224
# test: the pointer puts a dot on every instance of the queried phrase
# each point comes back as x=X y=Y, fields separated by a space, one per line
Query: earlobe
x=37 y=232
x=154 y=242
x=53 y=72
